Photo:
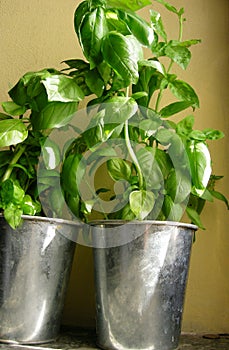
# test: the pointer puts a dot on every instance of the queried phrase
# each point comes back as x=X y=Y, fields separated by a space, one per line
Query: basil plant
x=158 y=168
x=40 y=102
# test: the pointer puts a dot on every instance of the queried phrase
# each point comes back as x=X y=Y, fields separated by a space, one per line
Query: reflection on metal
x=35 y=264
x=140 y=286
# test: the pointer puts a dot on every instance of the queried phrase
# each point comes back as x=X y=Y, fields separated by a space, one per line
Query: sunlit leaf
x=132 y=5
x=13 y=109
x=63 y=89
x=120 y=54
x=54 y=115
x=12 y=131
x=119 y=169
x=141 y=203
x=183 y=91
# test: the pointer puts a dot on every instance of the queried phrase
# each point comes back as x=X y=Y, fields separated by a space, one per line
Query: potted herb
x=36 y=251
x=159 y=170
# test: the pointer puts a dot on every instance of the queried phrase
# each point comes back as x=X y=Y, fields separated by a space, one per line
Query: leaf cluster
x=40 y=102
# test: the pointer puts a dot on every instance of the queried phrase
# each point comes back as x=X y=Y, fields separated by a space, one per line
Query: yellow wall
x=38 y=33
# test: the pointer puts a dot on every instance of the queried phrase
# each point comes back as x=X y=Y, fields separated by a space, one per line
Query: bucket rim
x=47 y=219
x=102 y=223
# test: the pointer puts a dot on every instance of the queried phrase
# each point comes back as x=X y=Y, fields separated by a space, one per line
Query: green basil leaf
x=72 y=173
x=141 y=203
x=76 y=64
x=119 y=52
x=158 y=24
x=31 y=78
x=119 y=169
x=195 y=218
x=12 y=131
x=63 y=89
x=164 y=162
x=188 y=43
x=11 y=192
x=150 y=77
x=4 y=116
x=54 y=115
x=18 y=93
x=200 y=163
x=164 y=136
x=132 y=5
x=220 y=196
x=184 y=127
x=92 y=31
x=119 y=109
x=172 y=211
x=79 y=14
x=13 y=109
x=153 y=64
x=126 y=213
x=73 y=203
x=34 y=86
x=174 y=108
x=150 y=169
x=168 y=6
x=212 y=134
x=197 y=135
x=184 y=92
x=94 y=82
x=178 y=185
x=178 y=154
x=138 y=27
x=30 y=207
x=178 y=54
x=207 y=196
x=104 y=71
x=114 y=23
x=12 y=215
x=138 y=95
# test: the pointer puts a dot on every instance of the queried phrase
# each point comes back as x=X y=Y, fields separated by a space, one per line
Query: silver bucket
x=35 y=265
x=140 y=285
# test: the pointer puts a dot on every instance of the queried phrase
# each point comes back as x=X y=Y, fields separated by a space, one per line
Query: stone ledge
x=78 y=339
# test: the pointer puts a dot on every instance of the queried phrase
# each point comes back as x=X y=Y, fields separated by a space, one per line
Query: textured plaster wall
x=38 y=33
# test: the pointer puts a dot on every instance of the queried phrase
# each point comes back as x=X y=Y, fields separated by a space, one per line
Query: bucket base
x=18 y=342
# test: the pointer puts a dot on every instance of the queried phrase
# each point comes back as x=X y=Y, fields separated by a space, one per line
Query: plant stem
x=180 y=28
x=159 y=97
x=131 y=151
x=17 y=155
x=133 y=155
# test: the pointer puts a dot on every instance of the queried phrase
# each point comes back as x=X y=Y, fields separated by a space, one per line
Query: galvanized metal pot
x=140 y=285
x=35 y=265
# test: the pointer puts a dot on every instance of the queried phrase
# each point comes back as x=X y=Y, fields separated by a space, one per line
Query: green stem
x=159 y=97
x=131 y=151
x=17 y=155
x=180 y=28
x=133 y=155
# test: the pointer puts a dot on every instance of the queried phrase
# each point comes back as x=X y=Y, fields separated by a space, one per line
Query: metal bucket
x=35 y=265
x=140 y=286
